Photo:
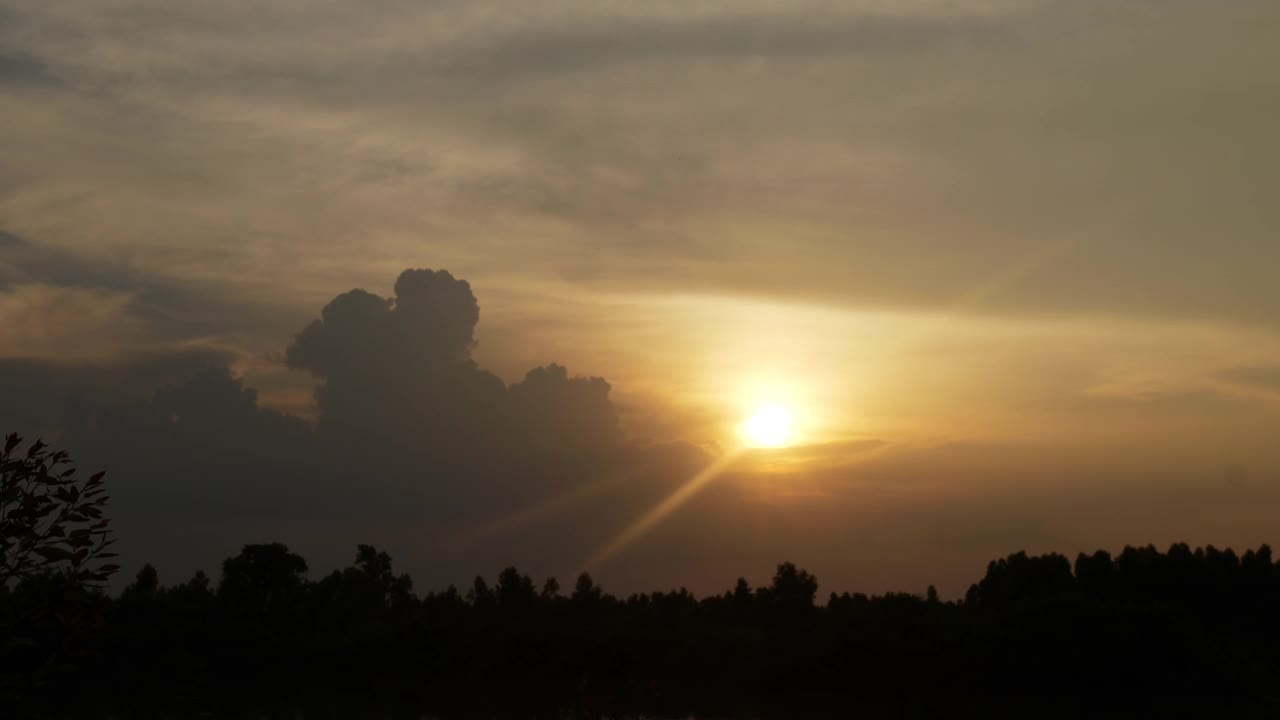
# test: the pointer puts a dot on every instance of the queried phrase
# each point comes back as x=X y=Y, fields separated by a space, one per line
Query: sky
x=1008 y=264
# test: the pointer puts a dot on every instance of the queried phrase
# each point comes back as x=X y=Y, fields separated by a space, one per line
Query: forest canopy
x=1143 y=623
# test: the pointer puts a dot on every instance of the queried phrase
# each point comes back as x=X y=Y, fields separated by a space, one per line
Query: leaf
x=53 y=554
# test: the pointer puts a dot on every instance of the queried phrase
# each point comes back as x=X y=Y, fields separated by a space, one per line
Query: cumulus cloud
x=430 y=322
x=412 y=443
x=399 y=371
x=561 y=411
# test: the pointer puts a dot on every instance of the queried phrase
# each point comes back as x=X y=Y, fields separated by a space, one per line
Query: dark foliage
x=53 y=537
x=48 y=517
x=1147 y=629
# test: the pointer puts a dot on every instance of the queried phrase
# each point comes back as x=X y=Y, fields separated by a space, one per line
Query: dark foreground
x=1187 y=633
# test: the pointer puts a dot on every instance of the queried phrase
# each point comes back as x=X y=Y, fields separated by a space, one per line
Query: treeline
x=361 y=643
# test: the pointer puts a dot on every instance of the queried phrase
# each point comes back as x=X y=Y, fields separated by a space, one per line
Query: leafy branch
x=48 y=517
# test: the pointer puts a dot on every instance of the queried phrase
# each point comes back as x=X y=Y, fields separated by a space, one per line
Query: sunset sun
x=768 y=427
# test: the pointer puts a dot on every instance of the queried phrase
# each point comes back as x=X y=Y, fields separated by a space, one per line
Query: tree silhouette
x=263 y=583
x=585 y=590
x=1192 y=631
x=144 y=586
x=48 y=518
x=481 y=595
x=792 y=589
x=550 y=589
x=371 y=582
x=514 y=590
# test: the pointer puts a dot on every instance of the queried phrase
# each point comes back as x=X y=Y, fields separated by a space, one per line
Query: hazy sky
x=1010 y=264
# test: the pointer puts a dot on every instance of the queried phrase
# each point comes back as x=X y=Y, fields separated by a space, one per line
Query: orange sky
x=1011 y=258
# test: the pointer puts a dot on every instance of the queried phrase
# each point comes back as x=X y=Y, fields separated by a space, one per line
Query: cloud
x=1263 y=377
x=413 y=443
x=76 y=306
x=397 y=374
x=417 y=448
x=46 y=320
x=626 y=175
x=9 y=240
x=43 y=396
x=430 y=323
x=399 y=370
x=22 y=71
x=591 y=46
x=910 y=155
x=561 y=411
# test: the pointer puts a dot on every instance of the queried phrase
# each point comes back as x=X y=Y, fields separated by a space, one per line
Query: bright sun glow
x=768 y=426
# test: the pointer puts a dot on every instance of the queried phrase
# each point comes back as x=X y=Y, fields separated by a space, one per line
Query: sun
x=768 y=427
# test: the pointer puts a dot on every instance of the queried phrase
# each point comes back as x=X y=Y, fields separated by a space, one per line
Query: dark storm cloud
x=413 y=441
x=431 y=322
x=561 y=411
x=50 y=397
x=400 y=369
x=196 y=462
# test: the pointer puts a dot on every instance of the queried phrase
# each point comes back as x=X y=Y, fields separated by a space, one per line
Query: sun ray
x=686 y=491
x=537 y=512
